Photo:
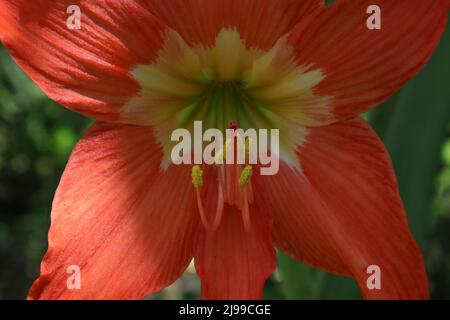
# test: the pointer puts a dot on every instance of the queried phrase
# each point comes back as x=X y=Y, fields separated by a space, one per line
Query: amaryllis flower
x=132 y=221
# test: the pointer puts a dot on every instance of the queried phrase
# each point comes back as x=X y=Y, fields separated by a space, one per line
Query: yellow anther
x=246 y=174
x=197 y=176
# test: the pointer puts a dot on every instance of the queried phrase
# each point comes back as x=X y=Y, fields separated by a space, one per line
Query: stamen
x=197 y=181
x=234 y=187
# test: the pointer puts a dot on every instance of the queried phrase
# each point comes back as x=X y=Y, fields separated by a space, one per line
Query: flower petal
x=260 y=22
x=344 y=212
x=125 y=224
x=364 y=67
x=231 y=262
x=86 y=70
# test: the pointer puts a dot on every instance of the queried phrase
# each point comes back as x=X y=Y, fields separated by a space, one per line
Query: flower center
x=216 y=85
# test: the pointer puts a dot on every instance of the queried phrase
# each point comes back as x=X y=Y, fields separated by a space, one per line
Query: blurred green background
x=37 y=136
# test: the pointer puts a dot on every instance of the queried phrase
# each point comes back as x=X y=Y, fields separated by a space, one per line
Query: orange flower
x=130 y=219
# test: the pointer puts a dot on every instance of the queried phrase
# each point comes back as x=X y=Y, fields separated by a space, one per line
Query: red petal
x=231 y=262
x=86 y=70
x=344 y=212
x=259 y=22
x=364 y=67
x=126 y=225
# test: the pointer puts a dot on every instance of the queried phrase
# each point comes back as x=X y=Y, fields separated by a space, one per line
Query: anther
x=246 y=175
x=197 y=176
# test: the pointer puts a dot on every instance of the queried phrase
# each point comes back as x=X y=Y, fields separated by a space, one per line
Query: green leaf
x=297 y=279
